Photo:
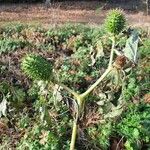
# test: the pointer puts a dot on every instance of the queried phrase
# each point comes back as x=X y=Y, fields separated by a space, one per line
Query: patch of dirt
x=89 y=12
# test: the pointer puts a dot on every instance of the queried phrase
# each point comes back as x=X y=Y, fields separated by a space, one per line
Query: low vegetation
x=95 y=79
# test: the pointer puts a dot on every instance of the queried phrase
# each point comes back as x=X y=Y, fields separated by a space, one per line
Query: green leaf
x=136 y=133
x=131 y=49
x=128 y=146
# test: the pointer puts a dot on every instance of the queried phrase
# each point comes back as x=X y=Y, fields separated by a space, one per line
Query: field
x=74 y=81
x=86 y=12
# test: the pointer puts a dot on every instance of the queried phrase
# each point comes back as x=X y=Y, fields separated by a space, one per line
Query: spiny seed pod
x=115 y=22
x=36 y=67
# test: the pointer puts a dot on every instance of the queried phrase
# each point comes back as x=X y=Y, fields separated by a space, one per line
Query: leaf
x=56 y=92
x=19 y=95
x=136 y=133
x=43 y=137
x=97 y=52
x=57 y=96
x=131 y=49
x=128 y=145
x=116 y=111
x=99 y=49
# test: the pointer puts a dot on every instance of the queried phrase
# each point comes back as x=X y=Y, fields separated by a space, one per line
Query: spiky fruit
x=115 y=21
x=36 y=67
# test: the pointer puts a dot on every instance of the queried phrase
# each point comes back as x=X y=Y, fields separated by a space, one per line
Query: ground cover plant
x=94 y=78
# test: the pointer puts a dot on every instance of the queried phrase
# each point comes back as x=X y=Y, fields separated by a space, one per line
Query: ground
x=75 y=12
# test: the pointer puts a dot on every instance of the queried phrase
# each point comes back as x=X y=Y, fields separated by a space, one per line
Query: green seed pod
x=36 y=67
x=115 y=22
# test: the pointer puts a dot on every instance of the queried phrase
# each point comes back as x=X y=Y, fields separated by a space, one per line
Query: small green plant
x=16 y=93
x=132 y=89
x=144 y=49
x=134 y=126
x=11 y=29
x=102 y=132
x=39 y=68
x=9 y=45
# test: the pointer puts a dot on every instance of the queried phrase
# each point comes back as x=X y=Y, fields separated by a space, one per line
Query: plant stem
x=105 y=73
x=112 y=52
x=76 y=95
x=81 y=98
x=80 y=102
x=97 y=82
x=74 y=134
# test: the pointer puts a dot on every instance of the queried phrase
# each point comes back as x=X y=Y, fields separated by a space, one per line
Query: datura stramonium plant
x=36 y=67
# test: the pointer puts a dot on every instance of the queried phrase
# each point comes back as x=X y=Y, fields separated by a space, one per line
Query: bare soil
x=88 y=12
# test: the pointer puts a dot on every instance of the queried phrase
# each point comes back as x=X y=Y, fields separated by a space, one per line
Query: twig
x=119 y=143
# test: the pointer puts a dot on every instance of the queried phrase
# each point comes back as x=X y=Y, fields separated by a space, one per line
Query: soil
x=89 y=12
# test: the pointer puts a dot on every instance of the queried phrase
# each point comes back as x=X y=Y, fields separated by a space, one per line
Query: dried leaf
x=3 y=107
x=56 y=93
x=116 y=111
x=97 y=52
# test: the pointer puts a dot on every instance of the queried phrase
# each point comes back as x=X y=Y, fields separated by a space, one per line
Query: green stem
x=105 y=73
x=74 y=134
x=76 y=95
x=81 y=98
x=80 y=101
x=96 y=83
x=112 y=52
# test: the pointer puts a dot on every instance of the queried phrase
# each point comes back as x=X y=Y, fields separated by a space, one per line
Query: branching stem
x=76 y=95
x=81 y=98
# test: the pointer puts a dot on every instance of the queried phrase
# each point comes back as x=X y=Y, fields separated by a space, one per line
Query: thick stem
x=75 y=124
x=80 y=102
x=74 y=134
x=96 y=83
